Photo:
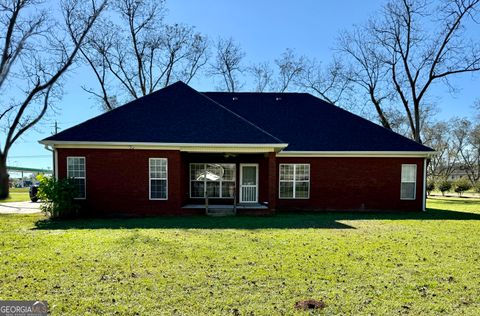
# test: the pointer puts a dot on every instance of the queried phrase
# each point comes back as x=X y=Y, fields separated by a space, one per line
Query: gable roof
x=308 y=123
x=179 y=114
x=176 y=114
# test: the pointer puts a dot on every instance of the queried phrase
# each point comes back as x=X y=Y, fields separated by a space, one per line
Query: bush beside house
x=57 y=197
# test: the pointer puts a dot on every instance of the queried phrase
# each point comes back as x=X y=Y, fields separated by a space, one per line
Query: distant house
x=458 y=172
x=164 y=153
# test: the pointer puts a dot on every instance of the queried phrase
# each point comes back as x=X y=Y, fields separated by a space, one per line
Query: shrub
x=57 y=197
x=444 y=186
x=462 y=185
x=430 y=186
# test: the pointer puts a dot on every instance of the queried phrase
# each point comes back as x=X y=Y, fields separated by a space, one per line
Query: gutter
x=187 y=147
x=385 y=154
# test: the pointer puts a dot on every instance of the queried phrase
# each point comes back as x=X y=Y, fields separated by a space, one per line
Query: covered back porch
x=229 y=183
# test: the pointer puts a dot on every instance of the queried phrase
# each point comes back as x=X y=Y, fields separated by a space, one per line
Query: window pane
x=409 y=173
x=197 y=189
x=70 y=163
x=70 y=168
x=158 y=168
x=79 y=188
x=214 y=176
x=228 y=189
x=302 y=172
x=301 y=189
x=158 y=189
x=286 y=172
x=214 y=172
x=197 y=171
x=286 y=189
x=213 y=189
x=408 y=190
x=228 y=172
x=76 y=167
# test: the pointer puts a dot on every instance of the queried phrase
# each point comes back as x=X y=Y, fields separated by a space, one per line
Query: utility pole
x=56 y=127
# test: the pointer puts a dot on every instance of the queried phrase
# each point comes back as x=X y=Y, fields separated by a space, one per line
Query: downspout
x=54 y=159
x=424 y=197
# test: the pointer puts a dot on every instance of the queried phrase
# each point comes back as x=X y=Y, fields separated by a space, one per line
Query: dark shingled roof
x=307 y=123
x=180 y=114
x=175 y=114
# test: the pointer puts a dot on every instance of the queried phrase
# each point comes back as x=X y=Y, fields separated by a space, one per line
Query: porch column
x=176 y=178
x=272 y=181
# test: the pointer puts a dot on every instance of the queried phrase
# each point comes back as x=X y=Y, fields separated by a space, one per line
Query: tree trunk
x=416 y=132
x=381 y=114
x=4 y=183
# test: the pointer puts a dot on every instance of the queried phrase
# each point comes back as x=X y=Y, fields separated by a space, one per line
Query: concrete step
x=220 y=212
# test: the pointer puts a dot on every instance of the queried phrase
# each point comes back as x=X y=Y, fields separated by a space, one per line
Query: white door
x=248 y=183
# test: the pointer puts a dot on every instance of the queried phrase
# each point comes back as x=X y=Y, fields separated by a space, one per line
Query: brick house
x=173 y=151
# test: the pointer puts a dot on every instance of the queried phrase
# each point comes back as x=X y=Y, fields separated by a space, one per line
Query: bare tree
x=467 y=138
x=263 y=76
x=476 y=106
x=35 y=52
x=132 y=48
x=368 y=70
x=414 y=58
x=328 y=83
x=472 y=158
x=299 y=73
x=290 y=68
x=228 y=64
x=440 y=137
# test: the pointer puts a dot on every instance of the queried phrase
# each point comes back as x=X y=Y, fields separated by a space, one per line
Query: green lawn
x=370 y=263
x=17 y=195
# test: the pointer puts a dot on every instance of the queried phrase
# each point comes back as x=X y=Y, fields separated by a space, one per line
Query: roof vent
x=278 y=99
x=235 y=98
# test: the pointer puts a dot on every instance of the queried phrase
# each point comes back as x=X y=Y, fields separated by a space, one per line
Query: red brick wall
x=355 y=183
x=118 y=181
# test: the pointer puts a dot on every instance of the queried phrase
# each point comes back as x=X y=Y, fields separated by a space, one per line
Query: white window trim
x=294 y=181
x=84 y=178
x=150 y=180
x=401 y=182
x=205 y=181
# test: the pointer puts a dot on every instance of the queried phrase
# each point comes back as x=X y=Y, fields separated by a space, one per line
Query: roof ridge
x=239 y=116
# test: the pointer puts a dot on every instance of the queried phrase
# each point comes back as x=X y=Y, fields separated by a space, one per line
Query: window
x=216 y=180
x=76 y=171
x=294 y=181
x=409 y=182
x=158 y=178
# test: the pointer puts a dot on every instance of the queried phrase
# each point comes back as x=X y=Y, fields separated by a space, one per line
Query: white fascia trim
x=403 y=154
x=196 y=147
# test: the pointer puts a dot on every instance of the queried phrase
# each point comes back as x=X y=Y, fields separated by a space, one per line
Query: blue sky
x=264 y=29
